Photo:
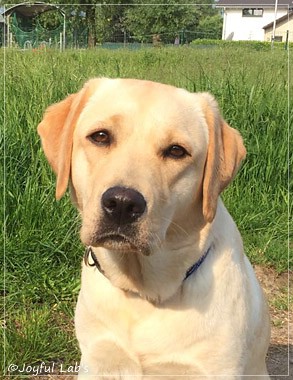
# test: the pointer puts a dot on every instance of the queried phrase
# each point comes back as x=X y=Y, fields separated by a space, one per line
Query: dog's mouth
x=120 y=242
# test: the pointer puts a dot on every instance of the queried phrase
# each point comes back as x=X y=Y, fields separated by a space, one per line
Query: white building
x=245 y=20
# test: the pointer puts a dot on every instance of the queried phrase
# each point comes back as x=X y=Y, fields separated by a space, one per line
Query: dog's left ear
x=56 y=132
x=225 y=153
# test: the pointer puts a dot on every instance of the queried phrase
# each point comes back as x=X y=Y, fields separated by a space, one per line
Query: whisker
x=156 y=239
x=177 y=228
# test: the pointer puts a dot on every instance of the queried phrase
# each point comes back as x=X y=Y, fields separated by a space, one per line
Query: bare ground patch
x=276 y=287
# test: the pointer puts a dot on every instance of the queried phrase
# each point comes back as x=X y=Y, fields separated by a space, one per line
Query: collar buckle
x=89 y=252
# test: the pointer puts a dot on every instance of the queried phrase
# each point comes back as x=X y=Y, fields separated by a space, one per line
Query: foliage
x=211 y=26
x=251 y=45
x=165 y=20
x=111 y=21
x=144 y=21
x=50 y=20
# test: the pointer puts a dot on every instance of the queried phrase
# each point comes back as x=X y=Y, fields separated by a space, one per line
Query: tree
x=166 y=20
x=103 y=20
x=110 y=20
x=89 y=8
x=211 y=27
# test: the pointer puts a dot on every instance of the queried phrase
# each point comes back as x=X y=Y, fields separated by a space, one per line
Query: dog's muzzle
x=119 y=227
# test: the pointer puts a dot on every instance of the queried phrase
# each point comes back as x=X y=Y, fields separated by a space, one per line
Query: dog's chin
x=118 y=243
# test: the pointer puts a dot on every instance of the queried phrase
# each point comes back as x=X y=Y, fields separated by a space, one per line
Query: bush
x=255 y=45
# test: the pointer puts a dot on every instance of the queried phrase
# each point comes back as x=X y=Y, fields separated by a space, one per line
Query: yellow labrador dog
x=166 y=288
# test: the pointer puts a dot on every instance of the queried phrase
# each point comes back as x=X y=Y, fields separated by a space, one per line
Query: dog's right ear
x=56 y=132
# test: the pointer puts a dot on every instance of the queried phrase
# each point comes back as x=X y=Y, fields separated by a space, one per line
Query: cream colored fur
x=141 y=318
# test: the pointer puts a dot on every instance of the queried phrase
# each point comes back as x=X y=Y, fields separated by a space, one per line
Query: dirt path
x=280 y=355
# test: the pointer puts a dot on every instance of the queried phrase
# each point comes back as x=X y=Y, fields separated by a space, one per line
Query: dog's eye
x=175 y=151
x=102 y=138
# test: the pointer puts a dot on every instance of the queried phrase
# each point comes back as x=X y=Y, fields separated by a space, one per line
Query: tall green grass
x=42 y=248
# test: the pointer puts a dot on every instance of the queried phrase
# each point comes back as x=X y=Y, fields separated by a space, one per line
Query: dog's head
x=142 y=159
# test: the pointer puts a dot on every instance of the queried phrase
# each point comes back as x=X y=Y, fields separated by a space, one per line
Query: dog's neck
x=159 y=276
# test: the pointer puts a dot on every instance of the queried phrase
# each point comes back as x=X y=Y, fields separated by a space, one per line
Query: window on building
x=278 y=39
x=252 y=12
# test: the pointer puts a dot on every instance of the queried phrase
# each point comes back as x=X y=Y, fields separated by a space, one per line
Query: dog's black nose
x=123 y=205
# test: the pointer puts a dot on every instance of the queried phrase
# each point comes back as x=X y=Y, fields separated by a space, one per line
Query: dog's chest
x=150 y=328
x=175 y=331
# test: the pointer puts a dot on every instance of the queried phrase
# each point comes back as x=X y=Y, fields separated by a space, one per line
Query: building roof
x=253 y=3
x=280 y=19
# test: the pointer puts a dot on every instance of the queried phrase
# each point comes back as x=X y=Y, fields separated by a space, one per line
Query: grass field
x=42 y=248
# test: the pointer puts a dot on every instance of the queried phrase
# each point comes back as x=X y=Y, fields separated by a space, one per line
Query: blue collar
x=95 y=263
x=195 y=266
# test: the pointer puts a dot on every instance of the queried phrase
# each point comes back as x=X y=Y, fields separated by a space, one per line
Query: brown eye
x=101 y=138
x=176 y=151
